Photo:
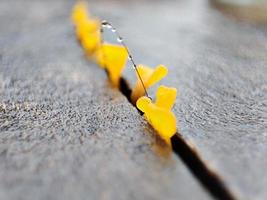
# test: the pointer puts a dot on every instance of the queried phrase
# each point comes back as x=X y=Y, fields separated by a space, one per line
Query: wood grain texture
x=219 y=66
x=64 y=132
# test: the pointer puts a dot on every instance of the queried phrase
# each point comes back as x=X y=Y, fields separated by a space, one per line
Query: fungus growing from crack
x=113 y=58
x=91 y=42
x=150 y=77
x=80 y=13
x=159 y=114
x=87 y=28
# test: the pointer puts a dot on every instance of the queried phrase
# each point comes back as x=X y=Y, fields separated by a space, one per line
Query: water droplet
x=104 y=23
x=113 y=30
x=119 y=39
x=108 y=26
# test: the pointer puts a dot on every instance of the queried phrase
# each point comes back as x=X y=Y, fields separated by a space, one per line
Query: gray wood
x=219 y=66
x=64 y=132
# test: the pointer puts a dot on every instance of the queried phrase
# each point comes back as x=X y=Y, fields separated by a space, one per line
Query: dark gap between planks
x=198 y=168
x=210 y=180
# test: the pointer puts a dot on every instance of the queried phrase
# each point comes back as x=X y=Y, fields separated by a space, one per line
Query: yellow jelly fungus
x=113 y=58
x=89 y=26
x=159 y=114
x=165 y=97
x=91 y=42
x=150 y=77
x=80 y=13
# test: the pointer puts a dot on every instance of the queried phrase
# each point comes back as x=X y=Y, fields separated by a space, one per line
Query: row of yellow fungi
x=113 y=59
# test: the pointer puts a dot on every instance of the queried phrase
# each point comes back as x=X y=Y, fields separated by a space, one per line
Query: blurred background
x=248 y=10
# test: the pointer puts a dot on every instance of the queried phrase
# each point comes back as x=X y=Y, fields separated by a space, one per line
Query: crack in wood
x=208 y=178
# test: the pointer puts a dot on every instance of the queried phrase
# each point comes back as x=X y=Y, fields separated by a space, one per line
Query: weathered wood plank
x=220 y=68
x=64 y=132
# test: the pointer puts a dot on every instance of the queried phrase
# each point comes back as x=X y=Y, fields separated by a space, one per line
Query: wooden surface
x=64 y=132
x=219 y=66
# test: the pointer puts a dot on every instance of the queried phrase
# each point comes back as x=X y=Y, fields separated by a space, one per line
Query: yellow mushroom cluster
x=113 y=58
